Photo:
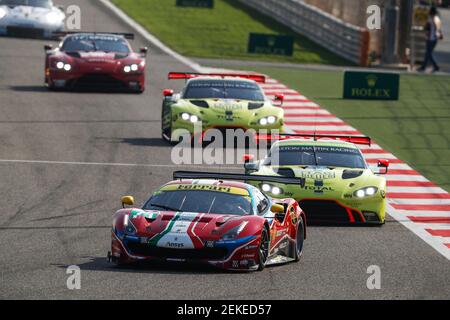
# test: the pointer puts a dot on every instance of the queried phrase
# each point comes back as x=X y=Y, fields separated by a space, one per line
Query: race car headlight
x=128 y=226
x=365 y=192
x=233 y=233
x=53 y=17
x=2 y=13
x=131 y=68
x=61 y=65
x=267 y=120
x=189 y=117
x=271 y=189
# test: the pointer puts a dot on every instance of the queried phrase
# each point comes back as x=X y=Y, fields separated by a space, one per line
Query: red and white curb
x=414 y=201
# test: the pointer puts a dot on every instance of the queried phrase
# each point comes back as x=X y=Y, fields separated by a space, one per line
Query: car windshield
x=223 y=89
x=95 y=43
x=326 y=156
x=32 y=3
x=200 y=201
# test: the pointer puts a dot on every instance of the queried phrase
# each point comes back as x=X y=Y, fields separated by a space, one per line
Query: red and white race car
x=204 y=218
x=95 y=61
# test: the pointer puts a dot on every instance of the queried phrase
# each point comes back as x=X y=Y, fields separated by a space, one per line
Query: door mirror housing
x=143 y=51
x=167 y=92
x=127 y=200
x=279 y=97
x=277 y=208
x=251 y=167
x=248 y=158
x=383 y=164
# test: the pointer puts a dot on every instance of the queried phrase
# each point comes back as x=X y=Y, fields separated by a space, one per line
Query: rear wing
x=190 y=75
x=236 y=176
x=363 y=140
x=129 y=36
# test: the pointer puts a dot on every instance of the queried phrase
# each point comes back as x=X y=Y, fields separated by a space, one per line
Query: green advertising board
x=371 y=85
x=270 y=44
x=196 y=3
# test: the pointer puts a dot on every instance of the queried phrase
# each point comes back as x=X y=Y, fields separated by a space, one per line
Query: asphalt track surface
x=56 y=215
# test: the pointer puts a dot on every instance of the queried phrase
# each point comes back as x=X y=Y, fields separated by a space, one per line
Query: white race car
x=30 y=18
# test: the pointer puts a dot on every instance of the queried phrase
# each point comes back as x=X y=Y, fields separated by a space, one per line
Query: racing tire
x=298 y=250
x=263 y=250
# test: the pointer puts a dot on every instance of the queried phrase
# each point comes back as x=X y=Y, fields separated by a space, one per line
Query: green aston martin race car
x=218 y=101
x=337 y=184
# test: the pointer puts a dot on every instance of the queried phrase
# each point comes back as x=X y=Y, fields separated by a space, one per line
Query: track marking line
x=111 y=164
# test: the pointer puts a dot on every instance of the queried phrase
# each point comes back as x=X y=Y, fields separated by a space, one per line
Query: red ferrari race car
x=210 y=218
x=95 y=61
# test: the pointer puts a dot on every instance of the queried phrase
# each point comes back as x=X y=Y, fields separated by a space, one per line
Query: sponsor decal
x=209 y=244
x=324 y=149
x=225 y=105
x=293 y=217
x=318 y=189
x=205 y=187
x=144 y=240
x=244 y=262
x=372 y=85
x=235 y=263
x=383 y=194
x=316 y=175
x=175 y=244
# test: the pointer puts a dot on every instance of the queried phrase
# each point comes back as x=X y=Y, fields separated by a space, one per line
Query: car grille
x=24 y=32
x=98 y=81
x=327 y=211
x=188 y=254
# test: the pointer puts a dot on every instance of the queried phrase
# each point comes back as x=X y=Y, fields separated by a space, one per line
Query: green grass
x=416 y=128
x=220 y=33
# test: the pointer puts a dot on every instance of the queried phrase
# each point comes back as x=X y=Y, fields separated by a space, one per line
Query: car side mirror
x=48 y=47
x=144 y=51
x=383 y=163
x=279 y=97
x=251 y=167
x=279 y=212
x=167 y=92
x=127 y=200
x=277 y=208
x=248 y=158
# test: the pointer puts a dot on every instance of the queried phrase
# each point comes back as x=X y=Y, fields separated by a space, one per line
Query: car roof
x=322 y=143
x=228 y=79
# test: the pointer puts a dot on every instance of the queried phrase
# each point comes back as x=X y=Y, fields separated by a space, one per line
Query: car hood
x=226 y=106
x=100 y=56
x=181 y=230
x=323 y=181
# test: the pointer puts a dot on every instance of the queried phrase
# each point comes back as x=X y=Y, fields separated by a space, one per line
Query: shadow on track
x=101 y=264
x=29 y=88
